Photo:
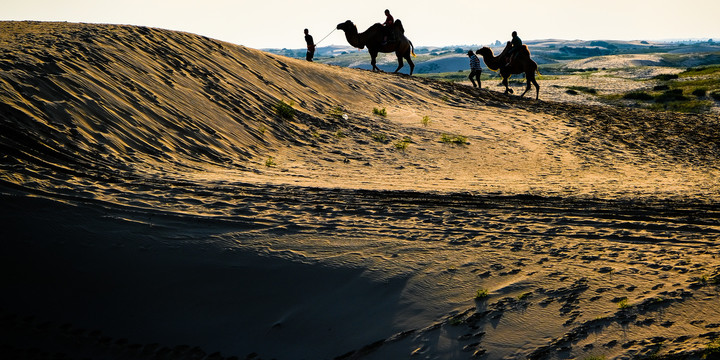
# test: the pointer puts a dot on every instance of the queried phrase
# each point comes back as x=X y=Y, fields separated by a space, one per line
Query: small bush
x=666 y=77
x=712 y=350
x=381 y=112
x=638 y=95
x=671 y=95
x=690 y=106
x=623 y=304
x=284 y=110
x=270 y=162
x=336 y=112
x=379 y=137
x=700 y=92
x=453 y=139
x=661 y=87
x=715 y=95
x=426 y=120
x=481 y=294
x=339 y=134
x=403 y=144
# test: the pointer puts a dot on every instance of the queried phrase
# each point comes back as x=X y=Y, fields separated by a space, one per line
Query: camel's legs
x=529 y=84
x=373 y=61
x=531 y=81
x=400 y=62
x=410 y=62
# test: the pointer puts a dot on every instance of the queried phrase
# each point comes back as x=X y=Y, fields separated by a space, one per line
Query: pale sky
x=280 y=24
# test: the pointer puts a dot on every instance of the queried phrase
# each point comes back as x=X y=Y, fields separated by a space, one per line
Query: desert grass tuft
x=336 y=112
x=712 y=350
x=453 y=139
x=402 y=144
x=481 y=294
x=426 y=120
x=379 y=137
x=623 y=304
x=285 y=110
x=270 y=162
x=380 y=112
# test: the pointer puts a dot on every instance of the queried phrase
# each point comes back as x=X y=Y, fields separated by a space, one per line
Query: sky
x=265 y=24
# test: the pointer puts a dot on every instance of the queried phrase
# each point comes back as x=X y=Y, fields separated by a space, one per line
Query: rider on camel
x=516 y=45
x=389 y=20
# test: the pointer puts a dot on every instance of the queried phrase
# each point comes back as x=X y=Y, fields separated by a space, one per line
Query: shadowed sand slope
x=155 y=205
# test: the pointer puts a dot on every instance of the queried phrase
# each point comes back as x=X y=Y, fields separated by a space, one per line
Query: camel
x=522 y=64
x=373 y=39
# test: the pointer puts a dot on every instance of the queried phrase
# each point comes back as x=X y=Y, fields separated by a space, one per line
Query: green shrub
x=453 y=139
x=637 y=95
x=666 y=77
x=270 y=162
x=336 y=112
x=671 y=95
x=712 y=350
x=379 y=137
x=381 y=112
x=623 y=304
x=690 y=106
x=426 y=120
x=481 y=294
x=284 y=110
x=700 y=92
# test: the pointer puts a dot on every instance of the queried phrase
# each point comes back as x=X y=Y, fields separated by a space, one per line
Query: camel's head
x=484 y=51
x=347 y=25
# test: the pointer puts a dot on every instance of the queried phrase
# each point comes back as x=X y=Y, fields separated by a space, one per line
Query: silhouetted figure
x=516 y=45
x=475 y=68
x=310 y=46
x=522 y=64
x=373 y=38
x=389 y=20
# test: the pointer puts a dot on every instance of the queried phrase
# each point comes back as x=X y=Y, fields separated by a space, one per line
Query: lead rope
x=325 y=37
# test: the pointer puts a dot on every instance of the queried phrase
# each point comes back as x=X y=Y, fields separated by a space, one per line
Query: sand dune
x=155 y=205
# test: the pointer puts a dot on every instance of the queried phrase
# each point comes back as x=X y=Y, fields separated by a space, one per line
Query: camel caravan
x=390 y=37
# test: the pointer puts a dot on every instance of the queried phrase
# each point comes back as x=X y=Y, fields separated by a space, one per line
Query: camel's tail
x=412 y=48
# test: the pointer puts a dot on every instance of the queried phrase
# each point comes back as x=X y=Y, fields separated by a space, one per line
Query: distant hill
x=432 y=60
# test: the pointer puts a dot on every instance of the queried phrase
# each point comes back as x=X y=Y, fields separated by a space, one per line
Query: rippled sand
x=156 y=206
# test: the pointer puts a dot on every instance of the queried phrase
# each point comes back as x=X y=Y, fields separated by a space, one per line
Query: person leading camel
x=310 y=46
x=389 y=20
x=475 y=68
x=516 y=45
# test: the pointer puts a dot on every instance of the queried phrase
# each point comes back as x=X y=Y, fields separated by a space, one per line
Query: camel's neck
x=492 y=61
x=355 y=39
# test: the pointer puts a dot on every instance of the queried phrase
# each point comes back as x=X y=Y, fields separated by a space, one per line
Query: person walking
x=475 y=68
x=310 y=46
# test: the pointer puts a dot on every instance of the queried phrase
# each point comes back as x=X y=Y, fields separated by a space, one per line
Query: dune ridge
x=152 y=194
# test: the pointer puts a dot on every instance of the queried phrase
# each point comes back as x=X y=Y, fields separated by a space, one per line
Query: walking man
x=475 y=68
x=310 y=46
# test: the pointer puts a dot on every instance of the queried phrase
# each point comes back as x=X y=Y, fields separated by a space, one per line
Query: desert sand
x=155 y=205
